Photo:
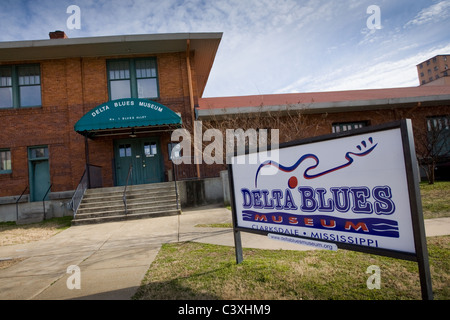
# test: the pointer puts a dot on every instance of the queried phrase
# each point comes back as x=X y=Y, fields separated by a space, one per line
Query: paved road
x=114 y=257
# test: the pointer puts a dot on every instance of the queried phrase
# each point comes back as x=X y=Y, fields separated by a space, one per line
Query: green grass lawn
x=202 y=271
x=435 y=199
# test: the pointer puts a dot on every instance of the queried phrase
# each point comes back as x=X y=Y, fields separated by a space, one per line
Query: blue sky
x=268 y=46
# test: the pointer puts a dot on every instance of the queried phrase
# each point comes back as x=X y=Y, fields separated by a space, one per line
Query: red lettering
x=360 y=225
x=260 y=217
x=293 y=220
x=279 y=220
x=324 y=223
x=308 y=222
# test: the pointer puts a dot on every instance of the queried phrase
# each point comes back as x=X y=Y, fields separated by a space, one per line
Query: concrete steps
x=143 y=201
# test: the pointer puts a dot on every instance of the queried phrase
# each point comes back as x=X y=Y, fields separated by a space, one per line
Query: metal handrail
x=176 y=186
x=43 y=200
x=124 y=197
x=17 y=203
x=79 y=193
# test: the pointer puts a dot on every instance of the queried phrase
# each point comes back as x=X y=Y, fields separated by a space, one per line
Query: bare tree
x=291 y=122
x=433 y=145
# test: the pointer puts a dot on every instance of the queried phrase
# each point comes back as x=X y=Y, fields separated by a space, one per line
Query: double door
x=144 y=155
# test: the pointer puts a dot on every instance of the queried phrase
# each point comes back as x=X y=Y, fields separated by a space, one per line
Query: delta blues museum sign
x=357 y=190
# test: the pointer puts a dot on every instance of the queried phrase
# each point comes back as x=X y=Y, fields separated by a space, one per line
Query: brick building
x=48 y=86
x=302 y=115
x=434 y=71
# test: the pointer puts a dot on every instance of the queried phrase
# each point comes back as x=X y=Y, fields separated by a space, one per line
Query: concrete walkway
x=114 y=257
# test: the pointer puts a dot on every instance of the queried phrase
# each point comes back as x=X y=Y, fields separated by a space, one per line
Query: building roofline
x=324 y=102
x=92 y=41
x=438 y=55
x=205 y=46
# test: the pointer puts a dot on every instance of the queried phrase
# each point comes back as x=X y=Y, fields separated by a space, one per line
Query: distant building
x=434 y=71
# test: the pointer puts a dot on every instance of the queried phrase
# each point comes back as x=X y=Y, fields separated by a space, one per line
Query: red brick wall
x=69 y=89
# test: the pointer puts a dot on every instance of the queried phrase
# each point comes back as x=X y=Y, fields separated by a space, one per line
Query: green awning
x=127 y=113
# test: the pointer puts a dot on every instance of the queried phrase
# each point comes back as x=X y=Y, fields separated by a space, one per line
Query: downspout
x=191 y=98
x=86 y=151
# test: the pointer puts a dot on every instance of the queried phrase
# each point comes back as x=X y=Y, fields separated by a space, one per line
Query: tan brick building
x=434 y=71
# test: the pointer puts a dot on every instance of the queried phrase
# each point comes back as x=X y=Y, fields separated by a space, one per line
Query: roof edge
x=320 y=107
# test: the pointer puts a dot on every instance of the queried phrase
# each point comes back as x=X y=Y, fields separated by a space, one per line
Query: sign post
x=358 y=190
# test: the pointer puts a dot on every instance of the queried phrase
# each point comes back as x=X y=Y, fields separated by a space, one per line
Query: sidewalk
x=114 y=257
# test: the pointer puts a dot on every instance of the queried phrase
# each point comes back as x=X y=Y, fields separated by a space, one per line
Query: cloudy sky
x=268 y=46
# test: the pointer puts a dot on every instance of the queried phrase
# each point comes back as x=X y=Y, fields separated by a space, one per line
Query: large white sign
x=351 y=190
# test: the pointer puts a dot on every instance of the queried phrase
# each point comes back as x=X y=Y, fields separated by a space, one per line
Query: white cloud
x=267 y=46
x=434 y=13
x=384 y=74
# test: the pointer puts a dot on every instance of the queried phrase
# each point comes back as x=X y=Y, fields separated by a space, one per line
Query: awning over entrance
x=117 y=115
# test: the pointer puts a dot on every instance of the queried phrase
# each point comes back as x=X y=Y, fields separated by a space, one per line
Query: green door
x=145 y=157
x=39 y=173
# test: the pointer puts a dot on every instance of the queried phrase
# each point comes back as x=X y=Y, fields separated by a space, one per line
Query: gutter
x=326 y=107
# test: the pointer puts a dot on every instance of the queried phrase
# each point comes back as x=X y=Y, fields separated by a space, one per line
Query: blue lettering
x=247 y=198
x=360 y=204
x=383 y=200
x=268 y=203
x=329 y=206
x=309 y=204
x=277 y=195
x=257 y=203
x=341 y=198
x=360 y=200
x=289 y=201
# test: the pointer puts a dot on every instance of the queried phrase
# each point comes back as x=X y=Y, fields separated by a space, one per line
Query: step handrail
x=43 y=200
x=79 y=193
x=124 y=197
x=17 y=203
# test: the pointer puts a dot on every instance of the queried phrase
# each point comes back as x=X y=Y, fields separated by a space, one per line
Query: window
x=438 y=123
x=174 y=150
x=119 y=79
x=37 y=153
x=20 y=86
x=438 y=135
x=146 y=78
x=132 y=78
x=150 y=149
x=5 y=161
x=341 y=127
x=125 y=150
x=6 y=95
